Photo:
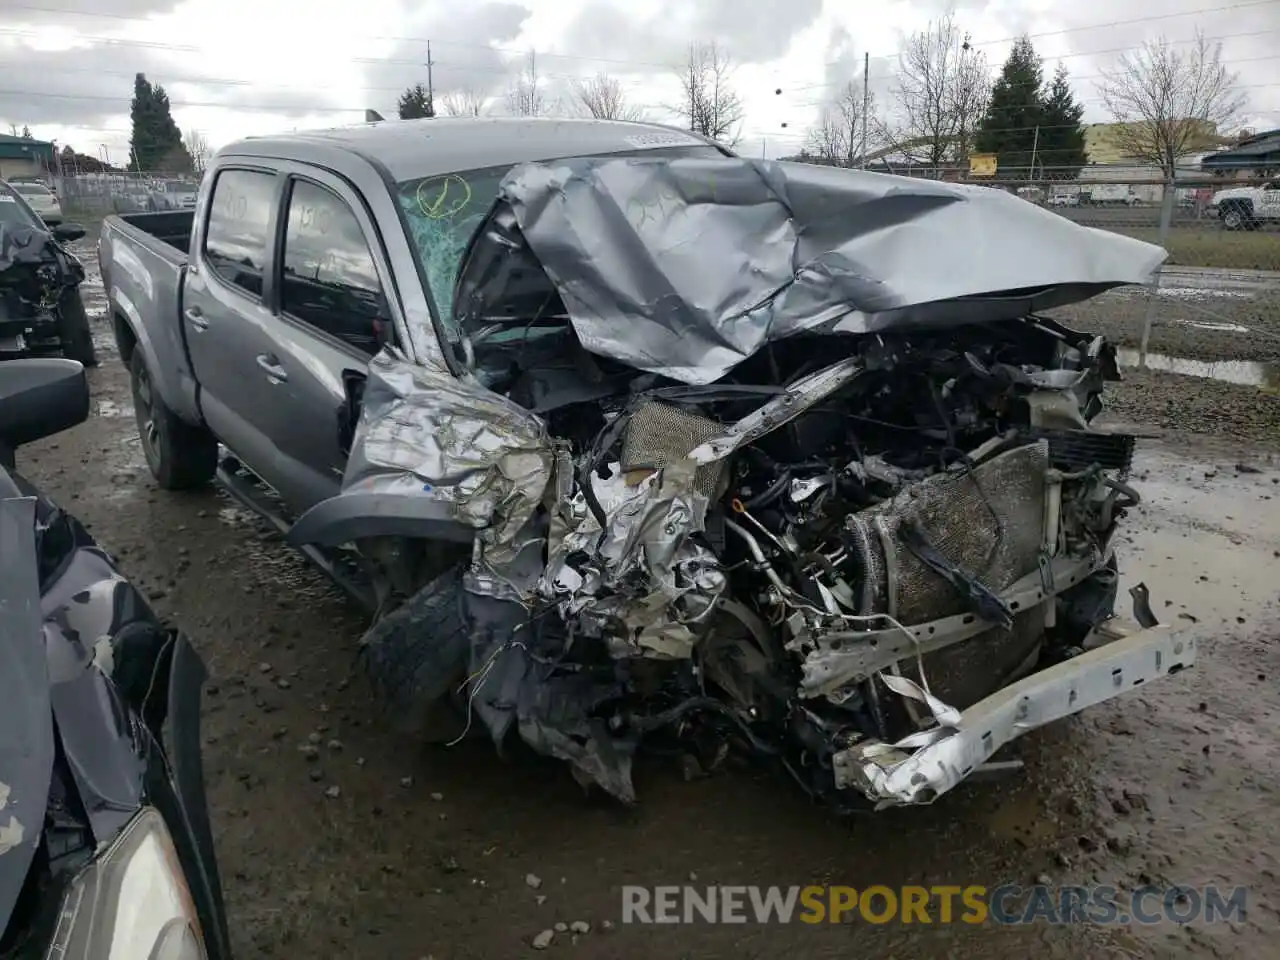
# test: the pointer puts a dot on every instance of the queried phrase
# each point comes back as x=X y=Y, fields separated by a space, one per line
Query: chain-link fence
x=91 y=196
x=1214 y=222
x=1218 y=296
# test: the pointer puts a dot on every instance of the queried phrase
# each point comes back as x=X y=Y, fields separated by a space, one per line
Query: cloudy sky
x=239 y=67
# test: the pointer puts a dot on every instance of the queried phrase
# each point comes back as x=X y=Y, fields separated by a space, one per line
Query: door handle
x=271 y=365
x=196 y=318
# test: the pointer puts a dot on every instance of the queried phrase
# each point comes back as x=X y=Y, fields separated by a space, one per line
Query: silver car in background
x=40 y=199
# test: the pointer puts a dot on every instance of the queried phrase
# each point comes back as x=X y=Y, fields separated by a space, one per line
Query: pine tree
x=1014 y=113
x=156 y=143
x=416 y=102
x=1062 y=143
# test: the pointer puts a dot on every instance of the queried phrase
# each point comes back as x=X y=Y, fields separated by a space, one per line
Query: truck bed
x=170 y=227
x=143 y=259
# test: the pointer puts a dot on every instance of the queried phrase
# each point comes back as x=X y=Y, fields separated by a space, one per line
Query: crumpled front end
x=871 y=556
x=33 y=281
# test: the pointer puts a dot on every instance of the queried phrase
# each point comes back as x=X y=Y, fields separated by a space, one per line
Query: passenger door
x=333 y=316
x=225 y=312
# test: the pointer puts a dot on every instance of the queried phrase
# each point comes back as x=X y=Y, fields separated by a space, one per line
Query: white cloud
x=239 y=67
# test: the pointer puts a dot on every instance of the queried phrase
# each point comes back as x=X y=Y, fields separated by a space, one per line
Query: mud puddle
x=1247 y=373
x=1179 y=774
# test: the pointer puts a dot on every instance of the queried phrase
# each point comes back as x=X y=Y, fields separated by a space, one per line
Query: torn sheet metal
x=687 y=267
x=640 y=584
x=424 y=432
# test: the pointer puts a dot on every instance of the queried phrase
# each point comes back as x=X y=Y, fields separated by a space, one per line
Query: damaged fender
x=433 y=457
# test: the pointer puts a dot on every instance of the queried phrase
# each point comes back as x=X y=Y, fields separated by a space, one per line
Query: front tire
x=1235 y=217
x=73 y=329
x=416 y=656
x=180 y=456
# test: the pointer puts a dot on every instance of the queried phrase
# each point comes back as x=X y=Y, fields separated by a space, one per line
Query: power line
x=802 y=104
x=1245 y=4
x=1088 y=53
x=805 y=104
x=279 y=108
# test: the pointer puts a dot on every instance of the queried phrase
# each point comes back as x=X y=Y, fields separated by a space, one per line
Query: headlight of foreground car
x=131 y=903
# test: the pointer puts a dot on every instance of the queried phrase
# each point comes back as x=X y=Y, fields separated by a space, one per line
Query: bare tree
x=602 y=97
x=198 y=149
x=837 y=136
x=1171 y=102
x=465 y=102
x=942 y=92
x=710 y=105
x=524 y=98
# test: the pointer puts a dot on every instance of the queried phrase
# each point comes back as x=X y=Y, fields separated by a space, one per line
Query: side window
x=329 y=278
x=235 y=242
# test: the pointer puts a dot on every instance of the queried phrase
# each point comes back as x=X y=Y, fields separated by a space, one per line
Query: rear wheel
x=73 y=329
x=180 y=456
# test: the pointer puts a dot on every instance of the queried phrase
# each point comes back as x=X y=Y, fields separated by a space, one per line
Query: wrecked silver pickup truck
x=730 y=453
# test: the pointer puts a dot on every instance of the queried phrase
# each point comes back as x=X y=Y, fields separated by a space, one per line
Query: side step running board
x=249 y=493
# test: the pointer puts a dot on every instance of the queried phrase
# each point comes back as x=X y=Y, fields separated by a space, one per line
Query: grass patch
x=1215 y=247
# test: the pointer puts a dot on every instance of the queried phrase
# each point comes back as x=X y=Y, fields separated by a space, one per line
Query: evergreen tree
x=156 y=143
x=1014 y=112
x=1062 y=143
x=416 y=102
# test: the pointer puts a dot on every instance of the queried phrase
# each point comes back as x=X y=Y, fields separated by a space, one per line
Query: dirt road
x=336 y=839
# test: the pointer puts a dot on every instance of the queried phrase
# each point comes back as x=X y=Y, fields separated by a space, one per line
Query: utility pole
x=866 y=103
x=431 y=90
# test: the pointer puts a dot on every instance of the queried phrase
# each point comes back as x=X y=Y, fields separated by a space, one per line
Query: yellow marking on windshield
x=448 y=197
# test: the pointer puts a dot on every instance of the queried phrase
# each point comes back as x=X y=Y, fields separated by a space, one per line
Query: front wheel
x=179 y=455
x=1234 y=217
x=73 y=329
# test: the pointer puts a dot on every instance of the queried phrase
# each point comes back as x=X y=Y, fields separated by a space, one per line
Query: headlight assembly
x=131 y=903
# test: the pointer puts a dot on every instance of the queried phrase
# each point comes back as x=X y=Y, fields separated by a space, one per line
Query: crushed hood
x=687 y=267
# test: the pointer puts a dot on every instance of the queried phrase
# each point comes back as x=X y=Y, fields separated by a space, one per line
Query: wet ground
x=337 y=839
x=1193 y=316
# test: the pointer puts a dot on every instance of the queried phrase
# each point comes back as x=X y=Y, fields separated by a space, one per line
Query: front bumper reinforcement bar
x=896 y=774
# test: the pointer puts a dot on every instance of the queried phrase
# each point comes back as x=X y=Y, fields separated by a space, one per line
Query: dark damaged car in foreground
x=105 y=843
x=40 y=307
x=655 y=445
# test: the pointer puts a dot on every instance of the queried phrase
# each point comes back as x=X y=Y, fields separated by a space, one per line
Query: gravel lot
x=1203 y=323
x=337 y=839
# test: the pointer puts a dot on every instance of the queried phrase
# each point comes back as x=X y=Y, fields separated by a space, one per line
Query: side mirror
x=67 y=232
x=40 y=397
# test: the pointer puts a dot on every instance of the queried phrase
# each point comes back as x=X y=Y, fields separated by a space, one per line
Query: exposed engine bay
x=35 y=276
x=854 y=542
x=822 y=573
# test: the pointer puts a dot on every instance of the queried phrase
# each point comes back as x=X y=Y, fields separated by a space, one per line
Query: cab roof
x=439 y=145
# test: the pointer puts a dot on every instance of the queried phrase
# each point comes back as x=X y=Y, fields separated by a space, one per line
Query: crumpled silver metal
x=644 y=583
x=420 y=432
x=687 y=267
